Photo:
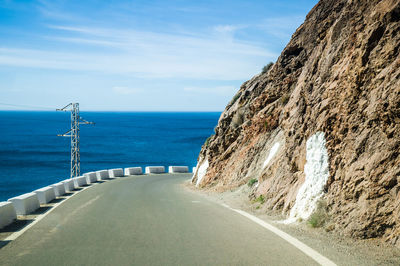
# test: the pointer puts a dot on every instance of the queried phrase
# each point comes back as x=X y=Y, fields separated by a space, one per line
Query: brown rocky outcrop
x=339 y=74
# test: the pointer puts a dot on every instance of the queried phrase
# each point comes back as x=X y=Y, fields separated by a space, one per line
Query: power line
x=29 y=119
x=27 y=106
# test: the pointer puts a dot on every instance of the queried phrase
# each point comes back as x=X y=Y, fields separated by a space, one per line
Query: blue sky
x=121 y=55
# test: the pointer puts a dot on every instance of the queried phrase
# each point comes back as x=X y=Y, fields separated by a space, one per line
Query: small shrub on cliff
x=316 y=220
x=319 y=217
x=271 y=122
x=238 y=118
x=234 y=99
x=260 y=199
x=252 y=182
x=267 y=67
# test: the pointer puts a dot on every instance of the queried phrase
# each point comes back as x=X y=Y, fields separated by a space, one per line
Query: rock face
x=340 y=76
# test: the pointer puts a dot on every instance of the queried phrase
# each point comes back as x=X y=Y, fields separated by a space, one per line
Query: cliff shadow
x=4 y=243
x=57 y=200
x=16 y=226
x=41 y=210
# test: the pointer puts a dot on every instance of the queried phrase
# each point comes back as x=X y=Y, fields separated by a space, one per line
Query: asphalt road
x=147 y=220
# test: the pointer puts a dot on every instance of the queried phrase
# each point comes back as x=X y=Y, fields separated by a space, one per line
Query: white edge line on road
x=17 y=234
x=322 y=260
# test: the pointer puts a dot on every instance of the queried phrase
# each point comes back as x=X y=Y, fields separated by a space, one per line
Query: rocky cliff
x=321 y=128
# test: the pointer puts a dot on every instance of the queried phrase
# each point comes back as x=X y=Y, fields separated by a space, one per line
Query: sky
x=119 y=55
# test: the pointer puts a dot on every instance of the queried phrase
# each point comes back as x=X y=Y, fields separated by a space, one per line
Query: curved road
x=147 y=220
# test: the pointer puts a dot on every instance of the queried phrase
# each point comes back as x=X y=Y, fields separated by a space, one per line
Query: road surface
x=147 y=220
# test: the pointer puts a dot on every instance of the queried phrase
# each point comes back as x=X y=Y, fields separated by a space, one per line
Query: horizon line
x=119 y=111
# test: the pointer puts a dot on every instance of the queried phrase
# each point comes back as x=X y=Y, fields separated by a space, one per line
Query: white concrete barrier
x=102 y=175
x=7 y=213
x=25 y=203
x=68 y=185
x=155 y=169
x=79 y=181
x=118 y=172
x=90 y=177
x=83 y=180
x=133 y=171
x=178 y=169
x=45 y=194
x=59 y=189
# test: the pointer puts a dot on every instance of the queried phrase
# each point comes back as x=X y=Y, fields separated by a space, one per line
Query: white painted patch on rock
x=195 y=171
x=271 y=154
x=201 y=172
x=316 y=171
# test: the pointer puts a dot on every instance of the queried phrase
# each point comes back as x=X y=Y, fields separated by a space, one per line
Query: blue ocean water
x=32 y=156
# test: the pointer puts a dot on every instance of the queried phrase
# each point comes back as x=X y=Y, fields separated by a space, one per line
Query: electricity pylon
x=76 y=120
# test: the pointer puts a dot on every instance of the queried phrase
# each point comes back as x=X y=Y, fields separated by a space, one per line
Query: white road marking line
x=322 y=260
x=15 y=235
x=84 y=205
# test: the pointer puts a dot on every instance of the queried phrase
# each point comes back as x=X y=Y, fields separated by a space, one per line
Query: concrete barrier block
x=155 y=169
x=82 y=180
x=178 y=169
x=45 y=194
x=90 y=177
x=102 y=175
x=133 y=171
x=118 y=172
x=93 y=177
x=68 y=185
x=76 y=182
x=26 y=203
x=59 y=189
x=79 y=181
x=7 y=213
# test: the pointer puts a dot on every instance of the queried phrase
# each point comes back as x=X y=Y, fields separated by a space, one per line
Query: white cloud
x=81 y=29
x=227 y=32
x=224 y=29
x=86 y=41
x=125 y=90
x=219 y=90
x=50 y=9
x=145 y=54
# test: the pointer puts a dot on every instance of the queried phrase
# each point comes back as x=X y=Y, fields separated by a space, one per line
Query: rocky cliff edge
x=319 y=132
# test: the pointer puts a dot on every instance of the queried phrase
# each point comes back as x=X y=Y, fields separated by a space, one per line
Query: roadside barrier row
x=28 y=203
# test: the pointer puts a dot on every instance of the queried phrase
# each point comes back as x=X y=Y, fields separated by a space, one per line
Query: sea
x=33 y=156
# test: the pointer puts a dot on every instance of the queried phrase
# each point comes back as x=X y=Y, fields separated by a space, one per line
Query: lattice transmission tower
x=76 y=120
